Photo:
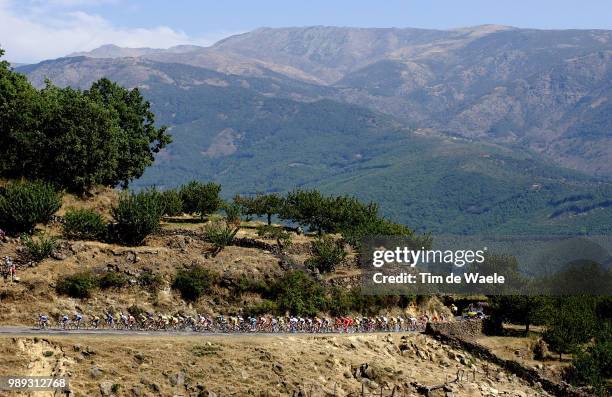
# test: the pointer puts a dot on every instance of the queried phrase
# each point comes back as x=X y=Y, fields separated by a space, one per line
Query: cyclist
x=64 y=321
x=43 y=321
x=95 y=321
x=110 y=320
x=77 y=319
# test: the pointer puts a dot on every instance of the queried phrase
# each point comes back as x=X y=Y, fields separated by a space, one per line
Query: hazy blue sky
x=32 y=30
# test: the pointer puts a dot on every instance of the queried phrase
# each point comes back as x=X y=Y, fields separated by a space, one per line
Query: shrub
x=77 y=286
x=250 y=284
x=594 y=367
x=220 y=234
x=327 y=254
x=233 y=212
x=150 y=281
x=84 y=224
x=202 y=198
x=298 y=294
x=572 y=324
x=136 y=311
x=173 y=204
x=24 y=204
x=380 y=227
x=193 y=283
x=112 y=280
x=39 y=248
x=282 y=237
x=137 y=215
x=265 y=307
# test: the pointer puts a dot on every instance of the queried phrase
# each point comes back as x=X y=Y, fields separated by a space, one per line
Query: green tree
x=202 y=198
x=233 y=213
x=521 y=309
x=572 y=324
x=173 y=204
x=82 y=141
x=140 y=139
x=261 y=205
x=593 y=367
x=306 y=207
x=75 y=139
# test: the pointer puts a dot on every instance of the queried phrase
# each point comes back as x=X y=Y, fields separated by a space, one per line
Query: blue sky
x=32 y=30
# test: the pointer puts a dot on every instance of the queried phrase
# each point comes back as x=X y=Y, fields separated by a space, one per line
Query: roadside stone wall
x=461 y=329
x=454 y=335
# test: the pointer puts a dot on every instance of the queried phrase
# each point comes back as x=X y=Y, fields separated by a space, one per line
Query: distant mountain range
x=462 y=130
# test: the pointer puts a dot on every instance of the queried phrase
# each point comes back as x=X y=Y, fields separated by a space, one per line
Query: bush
x=250 y=284
x=594 y=367
x=262 y=308
x=77 y=286
x=298 y=294
x=24 y=204
x=112 y=280
x=327 y=254
x=282 y=237
x=150 y=281
x=193 y=283
x=381 y=227
x=202 y=198
x=137 y=215
x=84 y=224
x=40 y=248
x=572 y=324
x=233 y=212
x=220 y=234
x=173 y=204
x=136 y=311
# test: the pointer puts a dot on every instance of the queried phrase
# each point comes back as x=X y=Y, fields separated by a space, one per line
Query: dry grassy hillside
x=258 y=365
x=178 y=245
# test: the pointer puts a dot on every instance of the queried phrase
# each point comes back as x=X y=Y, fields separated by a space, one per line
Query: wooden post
x=362 y=389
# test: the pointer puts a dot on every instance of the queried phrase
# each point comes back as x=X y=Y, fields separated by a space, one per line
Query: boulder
x=96 y=372
x=106 y=388
x=177 y=379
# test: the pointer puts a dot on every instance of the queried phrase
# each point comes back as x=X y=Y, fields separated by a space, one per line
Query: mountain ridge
x=472 y=124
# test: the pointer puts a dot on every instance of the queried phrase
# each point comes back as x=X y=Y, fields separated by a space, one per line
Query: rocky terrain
x=400 y=365
x=163 y=364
